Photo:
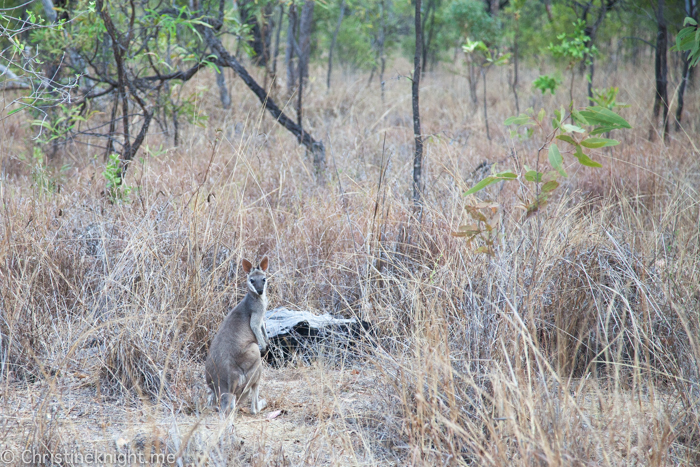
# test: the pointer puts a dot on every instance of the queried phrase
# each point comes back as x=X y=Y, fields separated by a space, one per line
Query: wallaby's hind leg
x=256 y=404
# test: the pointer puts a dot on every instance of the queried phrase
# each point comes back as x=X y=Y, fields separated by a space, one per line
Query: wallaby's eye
x=264 y=280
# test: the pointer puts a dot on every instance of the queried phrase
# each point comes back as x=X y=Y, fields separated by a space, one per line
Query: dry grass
x=577 y=344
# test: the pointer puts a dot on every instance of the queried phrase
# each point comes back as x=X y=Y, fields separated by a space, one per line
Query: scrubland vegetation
x=569 y=335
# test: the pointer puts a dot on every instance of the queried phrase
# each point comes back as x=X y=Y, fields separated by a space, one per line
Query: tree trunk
x=291 y=49
x=514 y=84
x=382 y=59
x=473 y=83
x=681 y=89
x=335 y=38
x=591 y=32
x=418 y=157
x=304 y=51
x=691 y=11
x=305 y=24
x=591 y=71
x=223 y=90
x=277 y=47
x=260 y=29
x=486 y=114
x=661 y=71
x=429 y=14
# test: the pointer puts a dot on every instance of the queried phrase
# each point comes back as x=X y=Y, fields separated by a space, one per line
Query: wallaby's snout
x=257 y=283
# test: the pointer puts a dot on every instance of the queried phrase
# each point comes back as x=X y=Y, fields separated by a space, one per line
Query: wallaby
x=234 y=366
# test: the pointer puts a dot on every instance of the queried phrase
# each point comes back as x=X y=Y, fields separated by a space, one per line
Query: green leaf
x=550 y=186
x=572 y=128
x=585 y=160
x=15 y=111
x=579 y=118
x=604 y=117
x=481 y=185
x=568 y=139
x=522 y=119
x=541 y=115
x=506 y=175
x=555 y=160
x=601 y=130
x=490 y=180
x=533 y=176
x=595 y=143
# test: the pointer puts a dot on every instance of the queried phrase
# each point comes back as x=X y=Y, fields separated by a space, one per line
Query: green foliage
x=573 y=47
x=688 y=40
x=606 y=98
x=46 y=180
x=546 y=83
x=580 y=139
x=60 y=124
x=470 y=19
x=491 y=57
x=115 y=190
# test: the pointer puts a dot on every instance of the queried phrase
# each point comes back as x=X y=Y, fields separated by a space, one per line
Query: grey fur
x=234 y=366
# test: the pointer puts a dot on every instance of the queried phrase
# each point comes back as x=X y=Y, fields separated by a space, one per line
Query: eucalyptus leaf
x=595 y=143
x=583 y=159
x=555 y=160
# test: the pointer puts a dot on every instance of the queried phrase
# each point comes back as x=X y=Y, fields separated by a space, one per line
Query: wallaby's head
x=257 y=280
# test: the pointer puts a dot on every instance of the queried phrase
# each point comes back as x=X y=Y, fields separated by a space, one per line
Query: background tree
x=661 y=72
x=415 y=93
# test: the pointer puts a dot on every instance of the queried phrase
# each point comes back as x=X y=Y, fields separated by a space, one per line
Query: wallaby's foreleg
x=257 y=325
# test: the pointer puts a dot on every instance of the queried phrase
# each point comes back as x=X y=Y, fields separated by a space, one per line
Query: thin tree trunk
x=661 y=71
x=260 y=31
x=473 y=83
x=691 y=11
x=277 y=45
x=514 y=84
x=591 y=32
x=591 y=71
x=305 y=23
x=418 y=157
x=223 y=90
x=307 y=12
x=430 y=13
x=486 y=114
x=382 y=59
x=335 y=38
x=290 y=51
x=571 y=89
x=681 y=90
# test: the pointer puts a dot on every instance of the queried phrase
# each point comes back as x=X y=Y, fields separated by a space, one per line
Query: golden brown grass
x=576 y=344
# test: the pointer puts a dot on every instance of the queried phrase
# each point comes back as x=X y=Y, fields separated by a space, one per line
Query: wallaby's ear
x=263 y=264
x=246 y=265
